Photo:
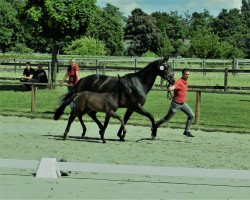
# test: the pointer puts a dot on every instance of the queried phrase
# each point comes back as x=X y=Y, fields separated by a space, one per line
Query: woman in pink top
x=180 y=88
x=73 y=75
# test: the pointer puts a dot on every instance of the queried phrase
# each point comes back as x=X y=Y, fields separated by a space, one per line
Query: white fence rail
x=129 y=169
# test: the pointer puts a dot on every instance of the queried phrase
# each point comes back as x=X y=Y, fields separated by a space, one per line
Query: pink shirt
x=180 y=91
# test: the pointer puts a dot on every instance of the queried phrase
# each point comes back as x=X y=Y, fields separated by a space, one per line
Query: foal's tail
x=65 y=101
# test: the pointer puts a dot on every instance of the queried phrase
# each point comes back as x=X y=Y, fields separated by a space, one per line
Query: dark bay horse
x=86 y=102
x=140 y=83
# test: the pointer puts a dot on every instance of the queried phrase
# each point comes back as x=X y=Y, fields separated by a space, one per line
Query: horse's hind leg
x=93 y=116
x=70 y=120
x=102 y=131
x=84 y=129
x=142 y=111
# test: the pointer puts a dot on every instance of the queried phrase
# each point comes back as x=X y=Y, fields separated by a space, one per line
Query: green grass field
x=228 y=112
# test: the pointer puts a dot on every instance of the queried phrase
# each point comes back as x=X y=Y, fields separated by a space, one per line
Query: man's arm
x=171 y=88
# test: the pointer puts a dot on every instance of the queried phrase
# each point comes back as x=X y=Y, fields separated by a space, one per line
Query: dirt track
x=33 y=139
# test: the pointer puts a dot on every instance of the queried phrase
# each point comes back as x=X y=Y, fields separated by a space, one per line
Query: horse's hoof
x=119 y=135
x=153 y=137
x=104 y=141
x=83 y=135
x=122 y=139
x=65 y=137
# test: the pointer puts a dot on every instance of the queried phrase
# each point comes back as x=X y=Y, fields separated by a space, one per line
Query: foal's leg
x=70 y=120
x=102 y=131
x=126 y=118
x=83 y=125
x=93 y=116
x=114 y=115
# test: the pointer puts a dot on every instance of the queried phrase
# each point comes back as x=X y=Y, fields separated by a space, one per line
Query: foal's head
x=122 y=85
x=165 y=70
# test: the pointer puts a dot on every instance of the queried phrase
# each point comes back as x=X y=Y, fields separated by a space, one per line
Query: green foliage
x=57 y=19
x=86 y=46
x=49 y=25
x=107 y=26
x=21 y=48
x=8 y=22
x=231 y=26
x=167 y=48
x=149 y=54
x=206 y=44
x=173 y=29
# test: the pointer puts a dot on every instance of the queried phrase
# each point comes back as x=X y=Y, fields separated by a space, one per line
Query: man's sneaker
x=188 y=134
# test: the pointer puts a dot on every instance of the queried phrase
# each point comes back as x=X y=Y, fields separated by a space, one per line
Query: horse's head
x=165 y=71
x=123 y=85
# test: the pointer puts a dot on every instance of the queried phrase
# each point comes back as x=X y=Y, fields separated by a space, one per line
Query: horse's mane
x=145 y=69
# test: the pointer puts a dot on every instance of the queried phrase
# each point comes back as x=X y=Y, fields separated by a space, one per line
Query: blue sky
x=149 y=6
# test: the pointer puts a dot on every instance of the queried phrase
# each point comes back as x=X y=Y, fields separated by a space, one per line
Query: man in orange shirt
x=180 y=88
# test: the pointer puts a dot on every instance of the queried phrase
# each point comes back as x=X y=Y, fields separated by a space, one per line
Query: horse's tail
x=65 y=102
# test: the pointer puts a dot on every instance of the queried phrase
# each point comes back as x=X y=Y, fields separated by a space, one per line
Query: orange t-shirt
x=72 y=75
x=180 y=91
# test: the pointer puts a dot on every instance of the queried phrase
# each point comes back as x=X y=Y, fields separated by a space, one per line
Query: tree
x=245 y=9
x=107 y=26
x=86 y=46
x=206 y=44
x=231 y=27
x=57 y=20
x=8 y=22
x=141 y=33
x=174 y=30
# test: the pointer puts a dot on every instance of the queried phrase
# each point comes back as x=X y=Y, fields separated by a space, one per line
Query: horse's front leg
x=102 y=131
x=70 y=120
x=139 y=109
x=125 y=119
x=92 y=114
x=114 y=115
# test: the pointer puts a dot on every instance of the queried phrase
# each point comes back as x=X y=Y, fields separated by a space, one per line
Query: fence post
x=173 y=63
x=103 y=70
x=49 y=72
x=234 y=65
x=97 y=66
x=198 y=107
x=204 y=66
x=135 y=64
x=15 y=65
x=33 y=98
x=225 y=79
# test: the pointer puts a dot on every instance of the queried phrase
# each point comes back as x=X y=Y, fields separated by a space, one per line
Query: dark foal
x=86 y=102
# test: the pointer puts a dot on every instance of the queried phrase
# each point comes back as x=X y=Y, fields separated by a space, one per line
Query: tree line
x=81 y=27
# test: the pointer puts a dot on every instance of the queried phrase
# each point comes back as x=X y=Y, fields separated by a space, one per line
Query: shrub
x=86 y=46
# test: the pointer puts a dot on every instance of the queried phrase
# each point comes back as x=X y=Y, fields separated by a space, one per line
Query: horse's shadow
x=98 y=140
x=80 y=139
x=163 y=140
